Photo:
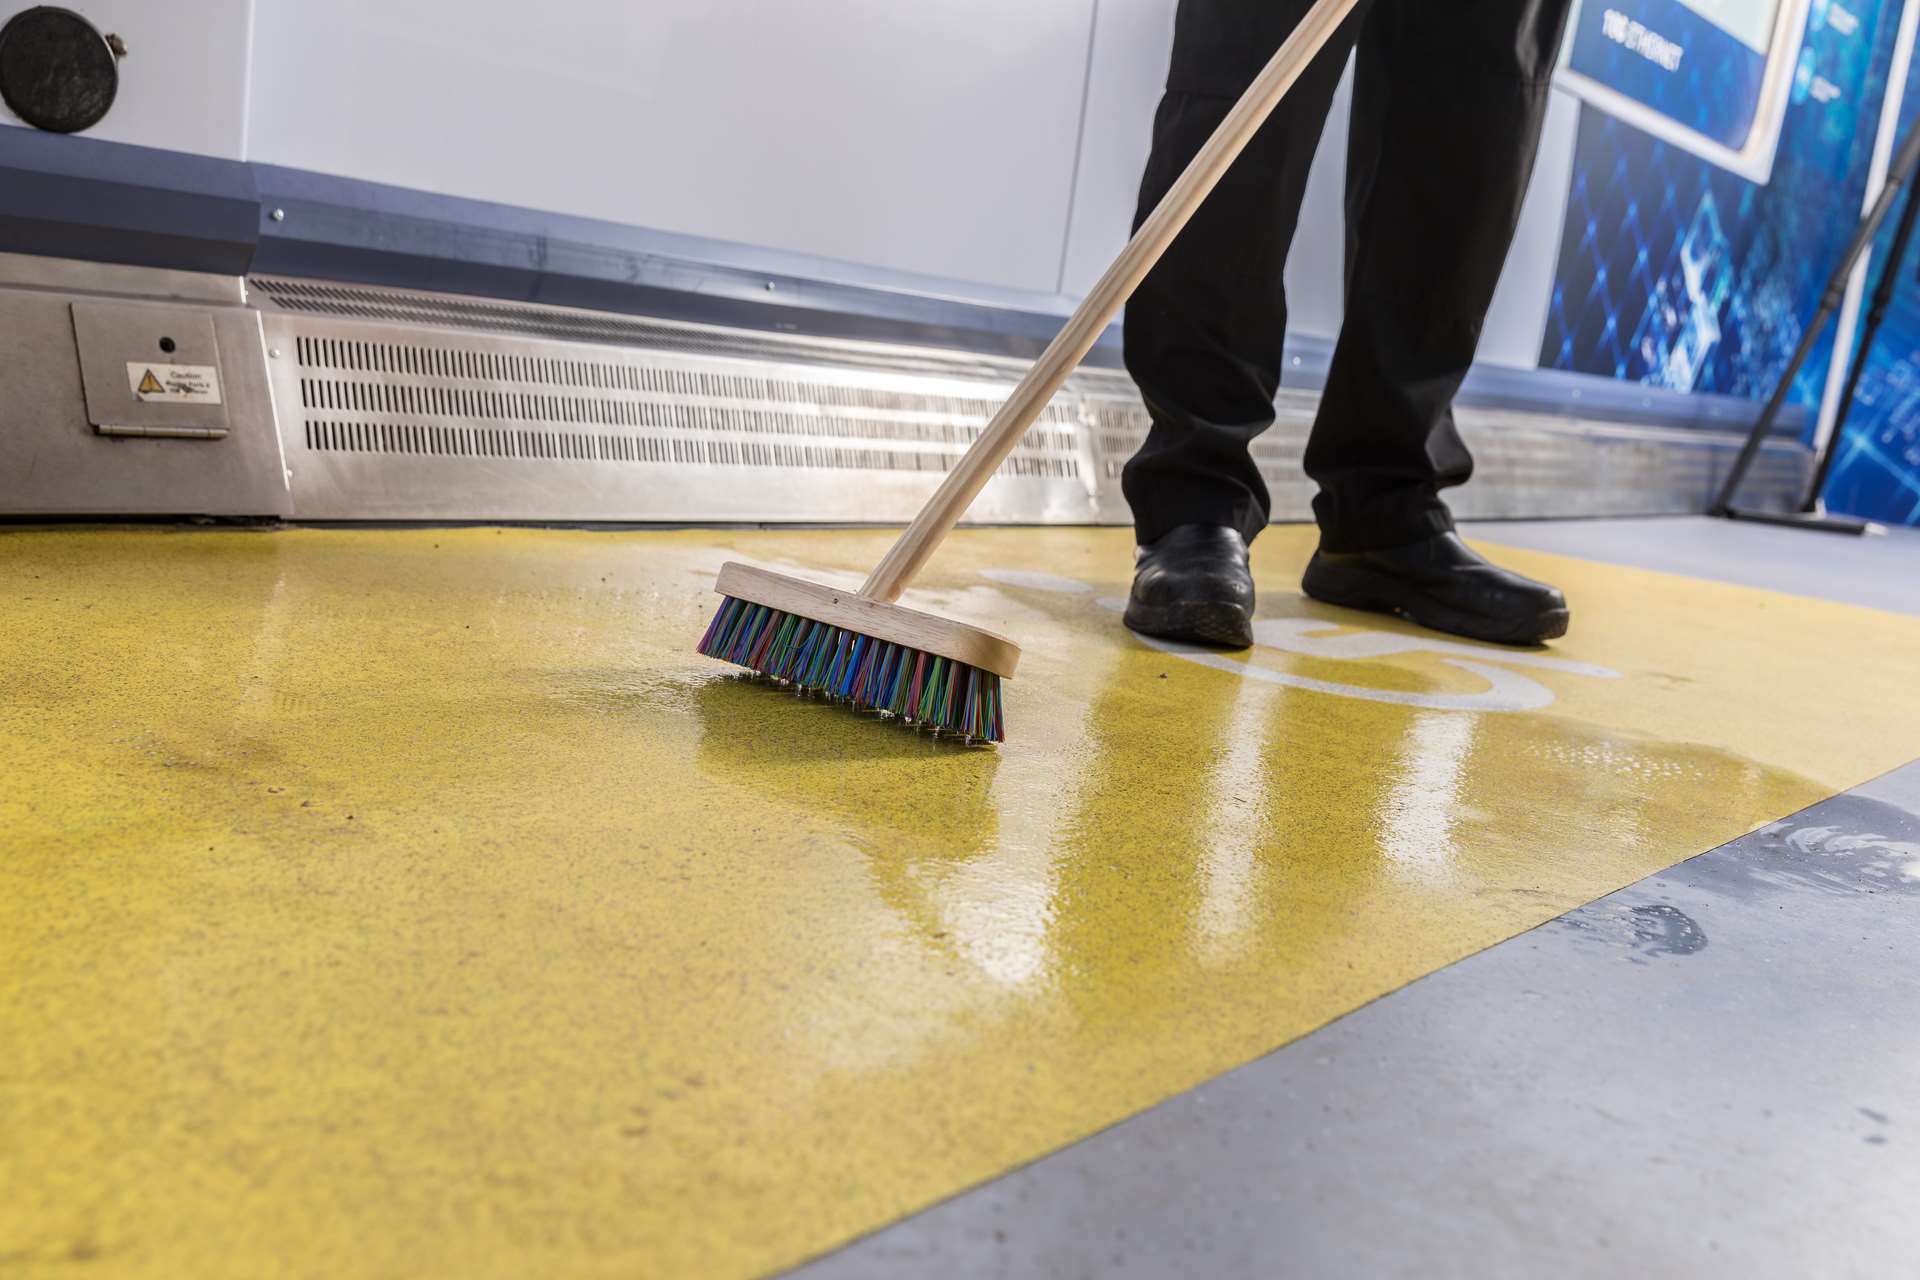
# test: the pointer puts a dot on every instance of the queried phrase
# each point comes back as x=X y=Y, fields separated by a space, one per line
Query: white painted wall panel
x=1518 y=320
x=936 y=138
x=183 y=85
x=1132 y=42
x=1316 y=270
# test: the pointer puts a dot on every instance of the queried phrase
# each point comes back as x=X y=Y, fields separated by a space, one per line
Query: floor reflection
x=1238 y=820
x=1418 y=812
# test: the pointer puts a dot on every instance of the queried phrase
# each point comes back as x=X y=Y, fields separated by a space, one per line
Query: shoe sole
x=1224 y=626
x=1427 y=612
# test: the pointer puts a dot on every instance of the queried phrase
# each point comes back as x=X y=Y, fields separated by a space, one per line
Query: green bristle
x=878 y=675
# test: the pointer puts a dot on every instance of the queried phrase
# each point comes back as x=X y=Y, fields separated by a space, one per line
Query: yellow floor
x=418 y=903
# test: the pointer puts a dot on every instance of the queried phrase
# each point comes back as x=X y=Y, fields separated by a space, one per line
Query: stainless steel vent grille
x=427 y=423
x=323 y=435
x=423 y=398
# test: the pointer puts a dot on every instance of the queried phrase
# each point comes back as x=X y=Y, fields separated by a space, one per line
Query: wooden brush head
x=840 y=607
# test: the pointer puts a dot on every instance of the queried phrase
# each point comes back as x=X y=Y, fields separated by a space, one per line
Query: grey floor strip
x=1880 y=573
x=1715 y=1071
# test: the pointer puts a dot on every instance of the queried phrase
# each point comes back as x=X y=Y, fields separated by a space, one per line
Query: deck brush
x=928 y=672
x=867 y=651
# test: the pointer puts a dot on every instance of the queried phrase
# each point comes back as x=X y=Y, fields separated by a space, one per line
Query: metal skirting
x=399 y=420
x=399 y=405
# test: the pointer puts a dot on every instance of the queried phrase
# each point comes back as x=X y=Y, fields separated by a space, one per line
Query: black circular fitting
x=57 y=72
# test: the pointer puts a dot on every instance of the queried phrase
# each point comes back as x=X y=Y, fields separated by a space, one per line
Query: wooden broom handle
x=1084 y=327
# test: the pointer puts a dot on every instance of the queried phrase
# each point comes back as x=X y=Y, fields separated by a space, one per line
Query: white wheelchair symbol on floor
x=1507 y=689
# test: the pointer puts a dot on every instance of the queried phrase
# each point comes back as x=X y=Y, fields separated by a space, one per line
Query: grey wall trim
x=67 y=197
x=111 y=202
x=366 y=233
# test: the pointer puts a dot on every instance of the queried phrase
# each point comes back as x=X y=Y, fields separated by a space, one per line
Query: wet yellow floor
x=418 y=903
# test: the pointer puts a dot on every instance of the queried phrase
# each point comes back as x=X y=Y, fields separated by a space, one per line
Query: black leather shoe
x=1193 y=584
x=1440 y=583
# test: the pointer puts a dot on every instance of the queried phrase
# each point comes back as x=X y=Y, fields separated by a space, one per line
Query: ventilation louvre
x=399 y=405
x=440 y=400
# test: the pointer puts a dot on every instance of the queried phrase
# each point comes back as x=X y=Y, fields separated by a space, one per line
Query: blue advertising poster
x=1677 y=272
x=1876 y=469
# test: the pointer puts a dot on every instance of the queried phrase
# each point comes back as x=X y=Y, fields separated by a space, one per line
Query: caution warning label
x=174 y=383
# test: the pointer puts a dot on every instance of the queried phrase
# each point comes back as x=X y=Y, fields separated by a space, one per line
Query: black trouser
x=1448 y=100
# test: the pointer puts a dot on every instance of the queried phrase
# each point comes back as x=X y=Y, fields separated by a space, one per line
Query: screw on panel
x=279 y=215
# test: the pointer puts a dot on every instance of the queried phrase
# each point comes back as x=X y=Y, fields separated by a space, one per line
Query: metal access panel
x=150 y=371
x=78 y=436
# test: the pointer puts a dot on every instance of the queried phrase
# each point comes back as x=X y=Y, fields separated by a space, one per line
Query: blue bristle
x=919 y=688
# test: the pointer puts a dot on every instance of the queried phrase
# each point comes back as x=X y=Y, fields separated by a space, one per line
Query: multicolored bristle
x=920 y=688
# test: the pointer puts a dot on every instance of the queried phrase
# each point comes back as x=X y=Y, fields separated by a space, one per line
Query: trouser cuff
x=1150 y=524
x=1380 y=525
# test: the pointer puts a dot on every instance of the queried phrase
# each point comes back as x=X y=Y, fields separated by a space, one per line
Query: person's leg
x=1448 y=104
x=1206 y=329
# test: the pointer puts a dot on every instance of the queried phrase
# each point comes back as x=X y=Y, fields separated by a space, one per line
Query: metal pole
x=1876 y=316
x=1904 y=166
